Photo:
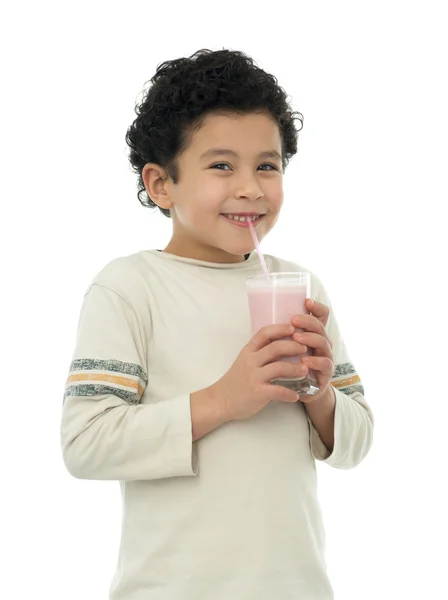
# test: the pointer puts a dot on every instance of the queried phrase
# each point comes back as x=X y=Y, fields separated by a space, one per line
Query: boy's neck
x=197 y=255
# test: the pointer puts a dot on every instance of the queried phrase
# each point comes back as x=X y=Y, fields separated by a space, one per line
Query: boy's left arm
x=341 y=422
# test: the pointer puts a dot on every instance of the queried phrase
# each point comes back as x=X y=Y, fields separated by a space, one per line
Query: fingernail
x=311 y=302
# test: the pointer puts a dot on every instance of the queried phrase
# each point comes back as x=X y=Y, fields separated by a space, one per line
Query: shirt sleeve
x=106 y=433
x=353 y=427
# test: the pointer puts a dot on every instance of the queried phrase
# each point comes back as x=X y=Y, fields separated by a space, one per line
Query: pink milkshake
x=274 y=298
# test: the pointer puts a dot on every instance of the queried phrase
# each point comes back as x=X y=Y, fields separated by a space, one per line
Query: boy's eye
x=226 y=165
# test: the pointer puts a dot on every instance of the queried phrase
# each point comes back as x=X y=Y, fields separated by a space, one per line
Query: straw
x=258 y=248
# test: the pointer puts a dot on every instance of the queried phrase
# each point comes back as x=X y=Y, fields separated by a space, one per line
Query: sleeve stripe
x=90 y=377
x=115 y=366
x=345 y=382
x=98 y=390
x=346 y=379
x=106 y=378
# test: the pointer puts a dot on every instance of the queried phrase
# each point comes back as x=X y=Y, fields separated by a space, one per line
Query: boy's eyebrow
x=216 y=151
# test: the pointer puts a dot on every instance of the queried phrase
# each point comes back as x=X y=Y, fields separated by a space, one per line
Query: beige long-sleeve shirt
x=233 y=515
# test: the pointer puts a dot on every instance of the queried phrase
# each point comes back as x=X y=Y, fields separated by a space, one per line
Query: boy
x=169 y=393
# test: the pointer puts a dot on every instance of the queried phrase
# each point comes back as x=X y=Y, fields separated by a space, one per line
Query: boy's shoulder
x=123 y=274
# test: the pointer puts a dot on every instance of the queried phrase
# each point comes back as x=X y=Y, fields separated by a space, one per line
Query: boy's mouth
x=242 y=220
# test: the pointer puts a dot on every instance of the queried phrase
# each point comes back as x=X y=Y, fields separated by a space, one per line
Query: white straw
x=258 y=248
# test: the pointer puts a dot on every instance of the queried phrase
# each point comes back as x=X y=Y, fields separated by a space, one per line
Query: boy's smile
x=243 y=221
x=232 y=165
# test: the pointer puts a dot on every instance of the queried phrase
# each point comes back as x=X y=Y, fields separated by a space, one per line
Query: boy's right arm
x=105 y=432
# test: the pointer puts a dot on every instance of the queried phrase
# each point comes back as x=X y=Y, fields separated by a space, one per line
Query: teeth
x=243 y=219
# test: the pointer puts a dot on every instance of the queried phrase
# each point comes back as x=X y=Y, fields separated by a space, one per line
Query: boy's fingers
x=323 y=364
x=319 y=310
x=268 y=334
x=314 y=340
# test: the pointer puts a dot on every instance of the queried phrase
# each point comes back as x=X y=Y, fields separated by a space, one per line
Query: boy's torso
x=248 y=525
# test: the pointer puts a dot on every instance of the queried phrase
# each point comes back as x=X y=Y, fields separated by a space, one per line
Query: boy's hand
x=315 y=336
x=245 y=389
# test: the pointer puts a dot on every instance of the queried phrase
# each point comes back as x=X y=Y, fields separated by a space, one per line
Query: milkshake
x=275 y=298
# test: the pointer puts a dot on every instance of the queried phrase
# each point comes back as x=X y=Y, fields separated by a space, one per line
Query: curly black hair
x=184 y=91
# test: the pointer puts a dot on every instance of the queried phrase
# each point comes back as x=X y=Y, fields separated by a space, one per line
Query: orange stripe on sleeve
x=340 y=383
x=102 y=377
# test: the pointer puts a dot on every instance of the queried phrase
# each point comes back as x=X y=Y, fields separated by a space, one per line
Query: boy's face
x=223 y=183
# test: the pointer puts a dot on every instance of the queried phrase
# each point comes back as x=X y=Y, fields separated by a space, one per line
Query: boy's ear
x=154 y=178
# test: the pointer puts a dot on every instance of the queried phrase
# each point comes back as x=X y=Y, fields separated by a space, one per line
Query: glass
x=273 y=299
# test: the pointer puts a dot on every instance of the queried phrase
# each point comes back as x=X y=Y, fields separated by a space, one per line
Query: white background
x=364 y=199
